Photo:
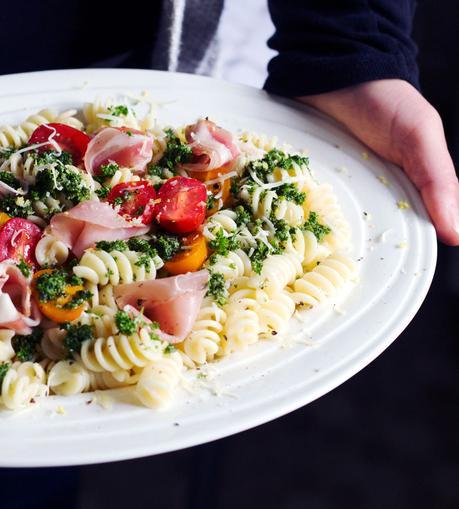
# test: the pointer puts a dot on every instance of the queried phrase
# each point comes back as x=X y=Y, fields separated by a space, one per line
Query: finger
x=427 y=162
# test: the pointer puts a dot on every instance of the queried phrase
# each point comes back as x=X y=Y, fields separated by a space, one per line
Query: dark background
x=386 y=438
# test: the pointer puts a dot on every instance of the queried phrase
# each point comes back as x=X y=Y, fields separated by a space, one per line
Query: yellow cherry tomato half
x=191 y=258
x=53 y=309
x=4 y=218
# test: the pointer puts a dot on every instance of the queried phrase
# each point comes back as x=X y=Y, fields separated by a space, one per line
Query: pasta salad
x=131 y=252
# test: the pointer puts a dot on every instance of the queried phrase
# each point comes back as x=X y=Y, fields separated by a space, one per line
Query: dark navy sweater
x=323 y=45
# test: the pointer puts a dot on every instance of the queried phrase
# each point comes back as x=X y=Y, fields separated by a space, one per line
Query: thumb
x=426 y=160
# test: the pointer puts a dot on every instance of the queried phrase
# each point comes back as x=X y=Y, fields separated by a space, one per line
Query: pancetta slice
x=126 y=147
x=91 y=221
x=212 y=147
x=17 y=311
x=173 y=302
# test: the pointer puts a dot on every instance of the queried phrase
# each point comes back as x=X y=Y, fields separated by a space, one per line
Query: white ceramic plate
x=274 y=377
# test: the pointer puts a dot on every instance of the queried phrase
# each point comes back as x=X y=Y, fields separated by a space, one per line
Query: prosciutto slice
x=17 y=311
x=173 y=302
x=126 y=147
x=212 y=147
x=90 y=221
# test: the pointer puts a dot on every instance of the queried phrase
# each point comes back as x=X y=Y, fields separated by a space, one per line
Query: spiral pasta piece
x=99 y=267
x=103 y=296
x=280 y=270
x=305 y=246
x=300 y=174
x=22 y=383
x=203 y=342
x=242 y=324
x=223 y=220
x=324 y=280
x=122 y=176
x=17 y=136
x=107 y=112
x=275 y=312
x=158 y=381
x=324 y=202
x=51 y=251
x=68 y=377
x=22 y=166
x=266 y=203
x=235 y=264
x=101 y=319
x=120 y=352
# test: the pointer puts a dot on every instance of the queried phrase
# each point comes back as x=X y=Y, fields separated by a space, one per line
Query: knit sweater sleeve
x=325 y=45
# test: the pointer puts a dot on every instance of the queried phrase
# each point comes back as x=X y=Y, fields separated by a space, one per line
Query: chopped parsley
x=282 y=232
x=176 y=153
x=144 y=260
x=51 y=286
x=142 y=246
x=76 y=335
x=125 y=324
x=26 y=346
x=9 y=179
x=313 y=225
x=167 y=245
x=50 y=157
x=78 y=299
x=217 y=288
x=169 y=349
x=106 y=171
x=51 y=181
x=210 y=202
x=114 y=245
x=24 y=268
x=243 y=216
x=103 y=192
x=4 y=367
x=259 y=256
x=119 y=110
x=291 y=193
x=222 y=245
x=274 y=159
x=16 y=206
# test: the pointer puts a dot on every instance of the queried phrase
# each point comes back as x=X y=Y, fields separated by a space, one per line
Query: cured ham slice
x=173 y=302
x=17 y=311
x=212 y=147
x=126 y=147
x=90 y=221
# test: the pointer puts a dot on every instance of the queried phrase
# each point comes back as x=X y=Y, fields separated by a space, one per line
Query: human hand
x=393 y=119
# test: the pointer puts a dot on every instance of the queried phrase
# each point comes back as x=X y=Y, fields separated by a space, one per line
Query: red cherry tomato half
x=182 y=205
x=136 y=200
x=68 y=138
x=18 y=238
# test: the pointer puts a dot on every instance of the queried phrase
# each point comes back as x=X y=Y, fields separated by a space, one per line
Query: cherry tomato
x=136 y=200
x=54 y=309
x=182 y=205
x=191 y=258
x=68 y=138
x=18 y=238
